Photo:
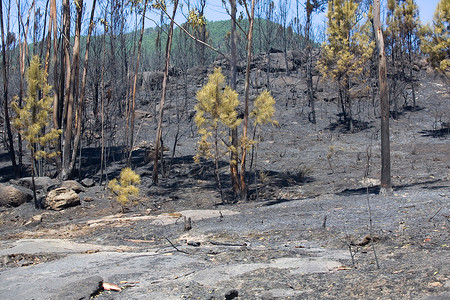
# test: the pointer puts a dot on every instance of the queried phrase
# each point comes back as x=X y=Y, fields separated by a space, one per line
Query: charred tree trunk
x=133 y=98
x=163 y=96
x=5 y=97
x=385 y=185
x=251 y=16
x=309 y=81
x=72 y=92
x=234 y=132
x=79 y=112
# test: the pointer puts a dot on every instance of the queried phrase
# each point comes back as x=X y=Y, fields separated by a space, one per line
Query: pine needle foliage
x=436 y=38
x=216 y=113
x=347 y=50
x=125 y=187
x=35 y=115
x=263 y=109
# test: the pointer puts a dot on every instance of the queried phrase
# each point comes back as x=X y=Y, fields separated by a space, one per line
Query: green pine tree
x=436 y=38
x=216 y=114
x=34 y=117
x=125 y=187
x=347 y=50
x=402 y=39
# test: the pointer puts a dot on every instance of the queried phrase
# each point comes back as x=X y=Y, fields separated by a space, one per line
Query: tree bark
x=234 y=132
x=72 y=91
x=5 y=97
x=251 y=16
x=79 y=114
x=163 y=96
x=309 y=10
x=385 y=185
x=133 y=99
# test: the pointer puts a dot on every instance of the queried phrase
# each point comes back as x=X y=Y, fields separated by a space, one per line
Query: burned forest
x=284 y=150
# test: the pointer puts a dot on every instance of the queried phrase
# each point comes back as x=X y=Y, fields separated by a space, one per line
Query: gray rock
x=87 y=182
x=13 y=196
x=42 y=183
x=61 y=198
x=81 y=289
x=72 y=185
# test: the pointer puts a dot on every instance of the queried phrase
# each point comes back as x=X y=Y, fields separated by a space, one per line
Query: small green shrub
x=125 y=187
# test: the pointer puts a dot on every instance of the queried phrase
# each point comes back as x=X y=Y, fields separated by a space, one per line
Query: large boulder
x=72 y=185
x=87 y=182
x=13 y=196
x=42 y=183
x=61 y=198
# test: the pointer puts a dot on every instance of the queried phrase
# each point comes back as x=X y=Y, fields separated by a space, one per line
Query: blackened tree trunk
x=310 y=89
x=163 y=95
x=5 y=97
x=79 y=117
x=385 y=185
x=251 y=16
x=234 y=132
x=72 y=92
x=133 y=98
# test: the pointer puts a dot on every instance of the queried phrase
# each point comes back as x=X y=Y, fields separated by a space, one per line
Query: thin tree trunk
x=163 y=96
x=234 y=132
x=133 y=103
x=247 y=100
x=309 y=10
x=73 y=87
x=102 y=100
x=5 y=97
x=23 y=53
x=65 y=76
x=37 y=203
x=386 y=185
x=58 y=82
x=82 y=93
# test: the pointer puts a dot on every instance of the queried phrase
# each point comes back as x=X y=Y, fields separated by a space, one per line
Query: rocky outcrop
x=13 y=196
x=61 y=198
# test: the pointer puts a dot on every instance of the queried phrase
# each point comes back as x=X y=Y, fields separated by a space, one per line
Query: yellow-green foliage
x=125 y=187
x=403 y=26
x=349 y=46
x=34 y=116
x=264 y=109
x=436 y=38
x=216 y=113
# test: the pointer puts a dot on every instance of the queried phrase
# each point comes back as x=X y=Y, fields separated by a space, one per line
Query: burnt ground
x=302 y=235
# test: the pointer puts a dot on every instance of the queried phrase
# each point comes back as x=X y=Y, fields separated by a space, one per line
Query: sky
x=215 y=11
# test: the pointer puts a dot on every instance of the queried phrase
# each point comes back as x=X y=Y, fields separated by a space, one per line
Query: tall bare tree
x=251 y=16
x=163 y=94
x=80 y=108
x=5 y=96
x=311 y=7
x=385 y=185
x=72 y=90
x=133 y=98
x=234 y=131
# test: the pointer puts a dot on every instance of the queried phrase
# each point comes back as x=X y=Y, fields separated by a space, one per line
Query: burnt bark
x=385 y=185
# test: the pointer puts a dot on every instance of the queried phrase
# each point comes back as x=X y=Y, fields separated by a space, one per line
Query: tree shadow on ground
x=376 y=189
x=342 y=126
x=440 y=130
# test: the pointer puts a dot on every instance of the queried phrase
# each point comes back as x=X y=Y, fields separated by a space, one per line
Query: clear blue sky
x=426 y=9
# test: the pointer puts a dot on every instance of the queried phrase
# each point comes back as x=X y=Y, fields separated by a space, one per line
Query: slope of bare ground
x=303 y=234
